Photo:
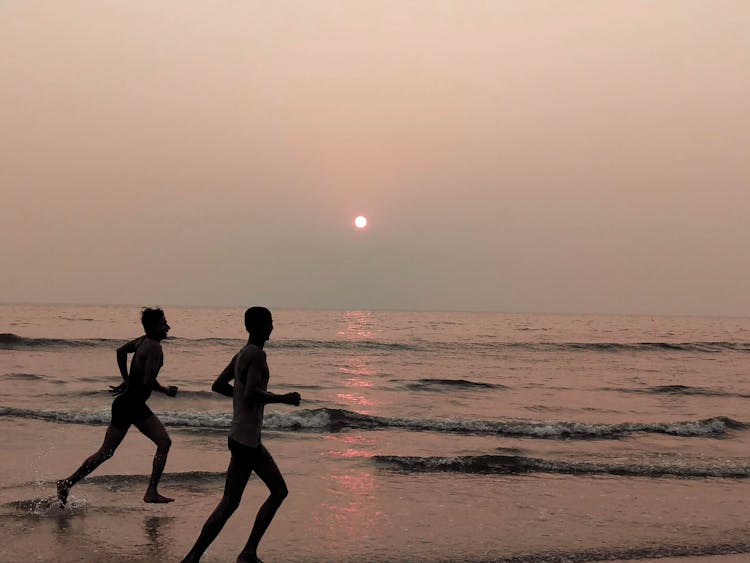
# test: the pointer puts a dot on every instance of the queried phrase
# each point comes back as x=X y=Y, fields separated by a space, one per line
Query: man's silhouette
x=129 y=407
x=250 y=372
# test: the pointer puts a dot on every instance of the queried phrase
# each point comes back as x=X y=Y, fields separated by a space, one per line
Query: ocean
x=420 y=437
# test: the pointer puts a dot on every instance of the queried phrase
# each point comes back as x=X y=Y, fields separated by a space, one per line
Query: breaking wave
x=24 y=376
x=511 y=464
x=682 y=390
x=429 y=384
x=622 y=554
x=327 y=419
x=10 y=341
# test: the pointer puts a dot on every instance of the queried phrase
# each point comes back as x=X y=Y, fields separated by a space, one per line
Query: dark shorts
x=126 y=411
x=248 y=455
x=247 y=459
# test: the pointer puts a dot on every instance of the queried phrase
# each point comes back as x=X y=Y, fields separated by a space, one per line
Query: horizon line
x=375 y=310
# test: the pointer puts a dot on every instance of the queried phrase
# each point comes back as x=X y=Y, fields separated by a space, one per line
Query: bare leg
x=112 y=439
x=267 y=470
x=237 y=475
x=155 y=431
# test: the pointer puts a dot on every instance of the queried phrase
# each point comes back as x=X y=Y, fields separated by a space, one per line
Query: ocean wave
x=680 y=390
x=490 y=347
x=202 y=394
x=610 y=554
x=235 y=343
x=512 y=464
x=344 y=345
x=10 y=341
x=434 y=384
x=625 y=554
x=93 y=417
x=24 y=376
x=711 y=346
x=327 y=419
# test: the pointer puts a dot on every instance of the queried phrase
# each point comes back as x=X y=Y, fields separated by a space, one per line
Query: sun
x=360 y=222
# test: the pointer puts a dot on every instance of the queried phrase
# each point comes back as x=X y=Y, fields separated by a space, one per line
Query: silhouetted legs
x=238 y=474
x=112 y=439
x=154 y=430
x=269 y=473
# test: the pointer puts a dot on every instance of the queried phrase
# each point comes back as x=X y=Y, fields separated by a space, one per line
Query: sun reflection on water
x=350 y=508
x=351 y=446
x=358 y=326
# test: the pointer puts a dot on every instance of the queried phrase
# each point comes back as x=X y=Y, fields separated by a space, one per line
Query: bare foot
x=156 y=498
x=63 y=488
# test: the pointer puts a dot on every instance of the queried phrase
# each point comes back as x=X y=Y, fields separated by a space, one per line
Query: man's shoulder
x=251 y=354
x=149 y=346
x=255 y=353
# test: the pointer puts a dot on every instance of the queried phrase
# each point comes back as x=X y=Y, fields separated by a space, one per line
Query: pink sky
x=568 y=156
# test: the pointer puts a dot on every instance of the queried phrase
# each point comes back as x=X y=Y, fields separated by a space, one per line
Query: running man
x=129 y=406
x=249 y=371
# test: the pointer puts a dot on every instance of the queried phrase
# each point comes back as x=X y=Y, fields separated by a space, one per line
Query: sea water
x=420 y=436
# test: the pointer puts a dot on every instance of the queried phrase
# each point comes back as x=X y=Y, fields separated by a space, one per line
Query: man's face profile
x=160 y=329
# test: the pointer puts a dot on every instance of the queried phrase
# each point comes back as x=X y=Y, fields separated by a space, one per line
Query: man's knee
x=164 y=444
x=229 y=504
x=280 y=493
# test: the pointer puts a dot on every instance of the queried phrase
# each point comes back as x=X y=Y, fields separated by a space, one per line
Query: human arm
x=122 y=364
x=266 y=397
x=151 y=366
x=122 y=356
x=254 y=373
x=170 y=390
x=221 y=385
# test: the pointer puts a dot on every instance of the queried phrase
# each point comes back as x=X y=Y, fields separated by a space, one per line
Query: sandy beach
x=421 y=437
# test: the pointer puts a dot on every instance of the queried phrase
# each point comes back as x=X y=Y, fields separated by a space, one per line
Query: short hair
x=256 y=317
x=150 y=317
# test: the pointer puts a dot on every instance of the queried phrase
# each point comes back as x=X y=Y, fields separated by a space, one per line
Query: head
x=154 y=323
x=258 y=323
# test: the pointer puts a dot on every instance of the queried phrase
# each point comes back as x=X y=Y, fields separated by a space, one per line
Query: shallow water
x=421 y=436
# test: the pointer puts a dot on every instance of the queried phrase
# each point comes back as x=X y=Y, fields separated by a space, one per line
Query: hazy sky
x=531 y=156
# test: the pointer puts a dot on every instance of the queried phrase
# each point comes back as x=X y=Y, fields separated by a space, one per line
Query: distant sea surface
x=420 y=437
